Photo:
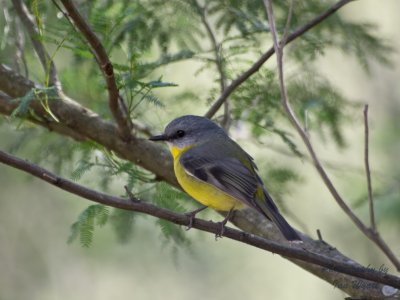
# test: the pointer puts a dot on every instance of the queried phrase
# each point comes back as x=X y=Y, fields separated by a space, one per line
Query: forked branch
x=257 y=65
x=372 y=234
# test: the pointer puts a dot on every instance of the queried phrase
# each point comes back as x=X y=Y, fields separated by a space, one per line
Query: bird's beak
x=161 y=137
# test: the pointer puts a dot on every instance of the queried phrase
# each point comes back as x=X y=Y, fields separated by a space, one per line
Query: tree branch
x=217 y=57
x=368 y=171
x=288 y=21
x=257 y=65
x=154 y=158
x=371 y=234
x=208 y=226
x=7 y=107
x=83 y=121
x=106 y=67
x=33 y=32
x=20 y=47
x=215 y=45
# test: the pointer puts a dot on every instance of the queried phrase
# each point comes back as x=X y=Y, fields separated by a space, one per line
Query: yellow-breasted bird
x=216 y=171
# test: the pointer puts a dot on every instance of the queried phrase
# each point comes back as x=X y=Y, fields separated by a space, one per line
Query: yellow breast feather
x=201 y=191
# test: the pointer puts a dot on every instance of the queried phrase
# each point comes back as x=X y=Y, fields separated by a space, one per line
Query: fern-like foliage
x=122 y=222
x=173 y=233
x=109 y=165
x=173 y=199
x=44 y=95
x=170 y=198
x=84 y=227
x=81 y=169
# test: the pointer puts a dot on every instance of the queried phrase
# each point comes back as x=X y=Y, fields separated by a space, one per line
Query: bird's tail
x=271 y=211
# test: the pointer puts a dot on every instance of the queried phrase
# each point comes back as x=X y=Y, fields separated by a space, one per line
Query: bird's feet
x=223 y=223
x=192 y=214
x=130 y=195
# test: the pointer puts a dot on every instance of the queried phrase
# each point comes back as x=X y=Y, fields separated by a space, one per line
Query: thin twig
x=20 y=45
x=287 y=26
x=208 y=226
x=371 y=234
x=216 y=47
x=257 y=65
x=319 y=235
x=123 y=121
x=18 y=35
x=368 y=171
x=130 y=195
x=33 y=32
x=214 y=43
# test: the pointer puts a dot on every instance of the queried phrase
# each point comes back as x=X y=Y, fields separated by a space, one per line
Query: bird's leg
x=192 y=214
x=223 y=223
x=130 y=195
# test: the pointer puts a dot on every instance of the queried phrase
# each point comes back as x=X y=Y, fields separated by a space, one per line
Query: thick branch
x=83 y=121
x=7 y=107
x=33 y=32
x=76 y=118
x=257 y=65
x=208 y=226
x=371 y=234
x=106 y=67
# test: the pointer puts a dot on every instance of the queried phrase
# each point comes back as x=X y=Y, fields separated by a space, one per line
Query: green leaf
x=122 y=221
x=24 y=102
x=84 y=227
x=173 y=232
x=159 y=83
x=285 y=136
x=169 y=197
x=41 y=94
x=81 y=169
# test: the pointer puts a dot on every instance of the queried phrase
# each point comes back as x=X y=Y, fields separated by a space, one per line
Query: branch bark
x=208 y=226
x=370 y=233
x=76 y=118
x=257 y=65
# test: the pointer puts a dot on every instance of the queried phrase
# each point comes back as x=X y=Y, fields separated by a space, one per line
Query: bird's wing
x=227 y=174
x=232 y=177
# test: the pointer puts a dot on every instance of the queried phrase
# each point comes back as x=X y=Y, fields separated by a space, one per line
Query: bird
x=214 y=170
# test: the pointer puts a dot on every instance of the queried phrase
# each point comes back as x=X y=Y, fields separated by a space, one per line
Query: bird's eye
x=180 y=133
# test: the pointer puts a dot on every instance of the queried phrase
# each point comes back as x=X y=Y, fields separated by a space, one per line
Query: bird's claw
x=191 y=216
x=223 y=223
x=222 y=230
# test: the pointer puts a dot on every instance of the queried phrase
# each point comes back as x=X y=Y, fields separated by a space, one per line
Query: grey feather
x=227 y=174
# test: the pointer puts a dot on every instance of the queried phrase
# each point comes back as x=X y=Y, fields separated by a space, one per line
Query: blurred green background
x=37 y=263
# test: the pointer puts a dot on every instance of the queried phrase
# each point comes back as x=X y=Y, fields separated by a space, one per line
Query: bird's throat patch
x=176 y=152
